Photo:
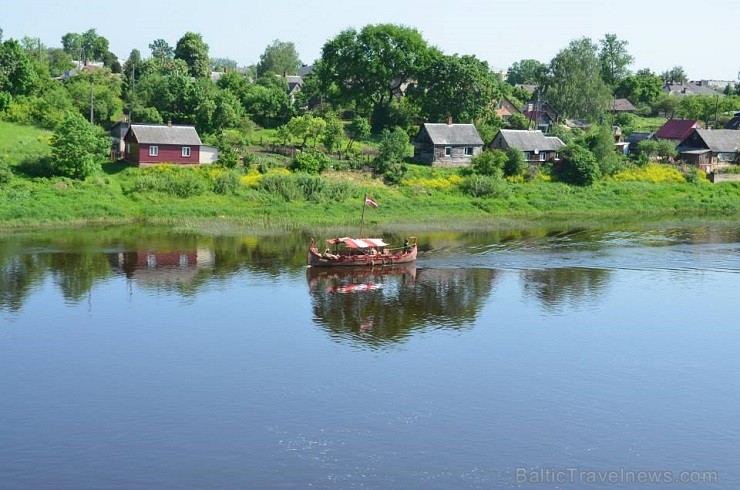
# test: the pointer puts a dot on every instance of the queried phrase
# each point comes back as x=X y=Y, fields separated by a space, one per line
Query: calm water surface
x=134 y=358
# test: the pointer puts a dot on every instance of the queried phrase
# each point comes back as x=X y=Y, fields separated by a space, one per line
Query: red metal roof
x=676 y=129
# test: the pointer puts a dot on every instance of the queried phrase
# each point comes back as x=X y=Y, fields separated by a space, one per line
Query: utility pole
x=91 y=100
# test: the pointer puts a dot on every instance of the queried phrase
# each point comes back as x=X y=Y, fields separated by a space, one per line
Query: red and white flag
x=370 y=202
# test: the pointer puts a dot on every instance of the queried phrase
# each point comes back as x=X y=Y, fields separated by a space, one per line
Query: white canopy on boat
x=359 y=242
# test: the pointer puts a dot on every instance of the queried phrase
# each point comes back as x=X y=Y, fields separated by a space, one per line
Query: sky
x=702 y=37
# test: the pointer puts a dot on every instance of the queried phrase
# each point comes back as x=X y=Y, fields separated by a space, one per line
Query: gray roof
x=689 y=88
x=637 y=136
x=453 y=134
x=162 y=134
x=527 y=140
x=721 y=140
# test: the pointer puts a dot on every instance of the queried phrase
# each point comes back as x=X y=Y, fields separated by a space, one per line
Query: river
x=600 y=357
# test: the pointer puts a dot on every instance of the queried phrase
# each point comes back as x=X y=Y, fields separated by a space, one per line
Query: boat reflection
x=379 y=306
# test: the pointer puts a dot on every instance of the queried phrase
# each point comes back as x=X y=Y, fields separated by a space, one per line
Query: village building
x=151 y=144
x=448 y=144
x=536 y=146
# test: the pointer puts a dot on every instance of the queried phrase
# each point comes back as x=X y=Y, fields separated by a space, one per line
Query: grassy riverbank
x=280 y=200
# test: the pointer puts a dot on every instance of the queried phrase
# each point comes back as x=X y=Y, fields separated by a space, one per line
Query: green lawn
x=20 y=143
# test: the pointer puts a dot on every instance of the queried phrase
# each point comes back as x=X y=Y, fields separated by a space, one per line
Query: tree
x=368 y=68
x=267 y=106
x=644 y=87
x=601 y=144
x=460 y=87
x=72 y=45
x=161 y=50
x=614 y=59
x=577 y=166
x=577 y=89
x=17 y=76
x=58 y=61
x=394 y=147
x=358 y=129
x=94 y=46
x=279 y=58
x=665 y=104
x=106 y=90
x=515 y=164
x=78 y=147
x=333 y=133
x=223 y=64
x=526 y=71
x=675 y=74
x=194 y=51
x=490 y=163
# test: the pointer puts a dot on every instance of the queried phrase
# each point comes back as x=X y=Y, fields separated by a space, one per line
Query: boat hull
x=316 y=259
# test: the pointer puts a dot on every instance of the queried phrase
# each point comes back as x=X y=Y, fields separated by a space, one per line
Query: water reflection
x=377 y=306
x=555 y=288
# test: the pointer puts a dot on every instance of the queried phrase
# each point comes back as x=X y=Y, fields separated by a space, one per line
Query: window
x=469 y=150
x=153 y=151
x=448 y=151
x=542 y=156
x=185 y=151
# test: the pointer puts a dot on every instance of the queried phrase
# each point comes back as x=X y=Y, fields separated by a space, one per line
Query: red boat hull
x=355 y=259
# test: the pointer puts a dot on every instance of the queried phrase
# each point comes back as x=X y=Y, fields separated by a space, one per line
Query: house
x=635 y=137
x=710 y=148
x=676 y=129
x=734 y=123
x=622 y=106
x=117 y=133
x=541 y=115
x=536 y=146
x=149 y=144
x=506 y=108
x=689 y=88
x=448 y=144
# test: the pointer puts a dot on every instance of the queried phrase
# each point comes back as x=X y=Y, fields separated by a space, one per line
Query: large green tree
x=614 y=58
x=366 y=69
x=675 y=74
x=644 y=87
x=279 y=58
x=461 y=87
x=577 y=90
x=17 y=75
x=194 y=51
x=161 y=50
x=99 y=89
x=78 y=147
x=527 y=71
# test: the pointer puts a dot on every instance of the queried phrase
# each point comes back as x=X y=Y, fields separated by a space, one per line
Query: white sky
x=700 y=36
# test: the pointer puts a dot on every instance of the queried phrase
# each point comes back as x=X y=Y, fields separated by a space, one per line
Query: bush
x=311 y=162
x=227 y=183
x=490 y=163
x=515 y=162
x=281 y=185
x=484 y=186
x=181 y=184
x=578 y=166
x=5 y=173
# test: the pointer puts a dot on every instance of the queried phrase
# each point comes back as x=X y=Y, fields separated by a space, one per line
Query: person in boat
x=406 y=246
x=373 y=251
x=328 y=255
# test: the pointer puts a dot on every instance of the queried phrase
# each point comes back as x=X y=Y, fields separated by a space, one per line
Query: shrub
x=311 y=162
x=227 y=183
x=515 y=162
x=312 y=186
x=578 y=166
x=484 y=186
x=281 y=185
x=5 y=173
x=490 y=163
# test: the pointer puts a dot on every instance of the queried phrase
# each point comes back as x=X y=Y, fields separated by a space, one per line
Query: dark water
x=134 y=358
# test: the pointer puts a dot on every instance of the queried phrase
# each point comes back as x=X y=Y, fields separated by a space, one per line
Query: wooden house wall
x=167 y=154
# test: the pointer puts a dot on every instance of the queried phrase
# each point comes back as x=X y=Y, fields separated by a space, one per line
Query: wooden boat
x=361 y=252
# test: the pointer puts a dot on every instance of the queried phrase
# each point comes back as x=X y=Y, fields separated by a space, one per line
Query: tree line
x=380 y=77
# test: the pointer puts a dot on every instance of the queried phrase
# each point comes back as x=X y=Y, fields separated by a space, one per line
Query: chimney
x=449 y=120
x=169 y=123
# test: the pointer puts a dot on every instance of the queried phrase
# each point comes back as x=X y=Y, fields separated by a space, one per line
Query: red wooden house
x=149 y=144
